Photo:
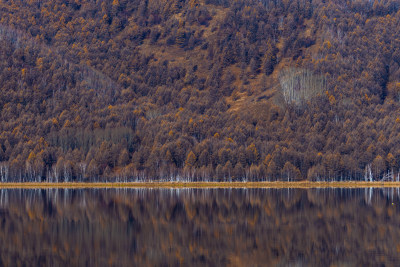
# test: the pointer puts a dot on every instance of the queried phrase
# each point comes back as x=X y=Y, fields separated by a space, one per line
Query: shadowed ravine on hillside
x=194 y=227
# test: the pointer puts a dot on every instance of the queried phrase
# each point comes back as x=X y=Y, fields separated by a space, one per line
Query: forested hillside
x=199 y=89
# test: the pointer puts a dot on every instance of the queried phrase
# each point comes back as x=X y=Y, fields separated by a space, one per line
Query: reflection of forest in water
x=162 y=227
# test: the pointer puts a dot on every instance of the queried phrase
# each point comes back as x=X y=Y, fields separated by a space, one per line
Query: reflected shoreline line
x=155 y=185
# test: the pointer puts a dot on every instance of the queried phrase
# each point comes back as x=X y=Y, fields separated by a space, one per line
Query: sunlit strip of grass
x=301 y=184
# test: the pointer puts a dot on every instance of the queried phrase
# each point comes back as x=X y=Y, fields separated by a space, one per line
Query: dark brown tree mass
x=199 y=89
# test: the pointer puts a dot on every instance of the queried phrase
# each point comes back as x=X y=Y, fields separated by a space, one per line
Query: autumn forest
x=200 y=89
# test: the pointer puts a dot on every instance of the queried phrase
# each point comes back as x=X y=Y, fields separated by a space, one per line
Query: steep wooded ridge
x=222 y=90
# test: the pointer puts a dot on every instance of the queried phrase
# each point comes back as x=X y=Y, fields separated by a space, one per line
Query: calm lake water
x=200 y=227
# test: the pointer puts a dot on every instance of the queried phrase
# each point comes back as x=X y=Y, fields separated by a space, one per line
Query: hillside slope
x=199 y=89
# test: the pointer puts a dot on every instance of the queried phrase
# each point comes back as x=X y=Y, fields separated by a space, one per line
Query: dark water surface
x=200 y=227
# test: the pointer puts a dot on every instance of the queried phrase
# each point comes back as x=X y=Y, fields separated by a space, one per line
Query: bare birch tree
x=368 y=177
x=4 y=170
x=299 y=85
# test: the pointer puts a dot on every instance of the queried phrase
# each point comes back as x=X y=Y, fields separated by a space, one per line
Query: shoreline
x=210 y=185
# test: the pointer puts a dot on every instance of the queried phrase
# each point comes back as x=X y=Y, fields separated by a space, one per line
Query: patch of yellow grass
x=301 y=184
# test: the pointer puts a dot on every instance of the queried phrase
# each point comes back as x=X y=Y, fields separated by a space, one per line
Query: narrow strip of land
x=301 y=184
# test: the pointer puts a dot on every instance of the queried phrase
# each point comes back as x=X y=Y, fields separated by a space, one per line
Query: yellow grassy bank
x=301 y=184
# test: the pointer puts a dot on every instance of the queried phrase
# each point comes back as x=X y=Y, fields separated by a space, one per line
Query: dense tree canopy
x=199 y=89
